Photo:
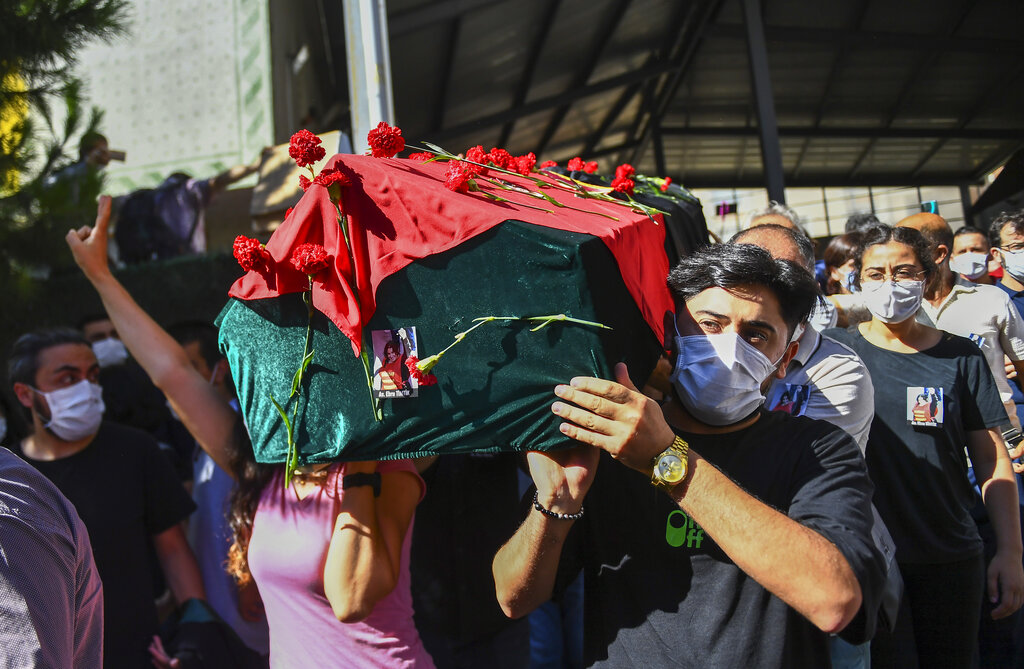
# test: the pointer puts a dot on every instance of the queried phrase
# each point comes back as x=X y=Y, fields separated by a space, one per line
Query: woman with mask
x=916 y=460
x=329 y=553
x=840 y=256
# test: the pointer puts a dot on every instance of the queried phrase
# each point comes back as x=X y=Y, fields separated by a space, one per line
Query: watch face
x=670 y=468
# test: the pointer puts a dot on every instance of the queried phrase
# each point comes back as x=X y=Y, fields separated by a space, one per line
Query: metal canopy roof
x=911 y=92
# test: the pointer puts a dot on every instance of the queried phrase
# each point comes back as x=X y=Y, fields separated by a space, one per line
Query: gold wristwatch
x=670 y=466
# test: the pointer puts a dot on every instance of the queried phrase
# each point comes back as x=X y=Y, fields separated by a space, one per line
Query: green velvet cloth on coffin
x=494 y=389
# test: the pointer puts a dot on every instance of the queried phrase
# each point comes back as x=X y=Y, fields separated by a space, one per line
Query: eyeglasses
x=1011 y=248
x=899 y=276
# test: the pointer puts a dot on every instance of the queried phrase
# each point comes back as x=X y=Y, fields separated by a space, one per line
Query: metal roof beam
x=447 y=64
x=841 y=58
x=764 y=102
x=603 y=34
x=849 y=133
x=691 y=41
x=873 y=39
x=675 y=32
x=827 y=181
x=610 y=84
x=1002 y=83
x=431 y=13
x=530 y=68
x=908 y=85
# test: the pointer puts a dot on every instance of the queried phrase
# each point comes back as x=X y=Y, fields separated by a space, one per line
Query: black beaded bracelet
x=554 y=514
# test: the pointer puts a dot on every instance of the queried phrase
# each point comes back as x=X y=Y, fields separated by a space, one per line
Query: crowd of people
x=819 y=474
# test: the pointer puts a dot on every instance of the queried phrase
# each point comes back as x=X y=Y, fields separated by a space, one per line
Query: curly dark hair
x=1014 y=219
x=251 y=478
x=883 y=234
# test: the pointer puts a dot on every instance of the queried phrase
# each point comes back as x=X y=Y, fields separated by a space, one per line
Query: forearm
x=182 y=572
x=999 y=492
x=525 y=568
x=205 y=414
x=155 y=350
x=359 y=570
x=796 y=564
x=231 y=175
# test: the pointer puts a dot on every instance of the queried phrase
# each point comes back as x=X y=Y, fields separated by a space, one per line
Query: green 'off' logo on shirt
x=680 y=529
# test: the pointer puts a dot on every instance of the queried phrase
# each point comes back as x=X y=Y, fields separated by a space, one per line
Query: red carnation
x=385 y=141
x=310 y=258
x=623 y=185
x=422 y=156
x=304 y=182
x=414 y=371
x=477 y=155
x=590 y=167
x=664 y=186
x=524 y=164
x=330 y=176
x=289 y=212
x=624 y=171
x=575 y=164
x=251 y=254
x=457 y=177
x=305 y=148
x=548 y=163
x=502 y=159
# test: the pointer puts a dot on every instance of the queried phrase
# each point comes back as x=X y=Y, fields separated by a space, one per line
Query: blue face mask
x=718 y=377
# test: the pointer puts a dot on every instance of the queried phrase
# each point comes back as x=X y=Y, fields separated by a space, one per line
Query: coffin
x=428 y=261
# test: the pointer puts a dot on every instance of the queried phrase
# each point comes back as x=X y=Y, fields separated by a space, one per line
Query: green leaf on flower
x=297 y=379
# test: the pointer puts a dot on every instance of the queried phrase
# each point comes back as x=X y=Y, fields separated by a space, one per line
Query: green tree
x=39 y=40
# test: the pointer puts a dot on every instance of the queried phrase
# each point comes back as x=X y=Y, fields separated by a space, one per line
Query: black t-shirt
x=126 y=491
x=470 y=509
x=925 y=404
x=659 y=591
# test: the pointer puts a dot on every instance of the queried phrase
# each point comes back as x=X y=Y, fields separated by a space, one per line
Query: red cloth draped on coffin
x=400 y=211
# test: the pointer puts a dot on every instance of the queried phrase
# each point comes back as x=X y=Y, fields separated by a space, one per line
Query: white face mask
x=970 y=265
x=823 y=316
x=1013 y=263
x=109 y=352
x=75 y=411
x=893 y=302
x=718 y=377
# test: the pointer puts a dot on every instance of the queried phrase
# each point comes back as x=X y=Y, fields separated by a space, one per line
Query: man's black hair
x=883 y=234
x=860 y=222
x=731 y=266
x=1014 y=219
x=970 y=230
x=94 y=317
x=202 y=332
x=88 y=143
x=803 y=243
x=23 y=363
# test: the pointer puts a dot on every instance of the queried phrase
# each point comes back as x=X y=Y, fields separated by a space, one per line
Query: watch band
x=362 y=478
x=679 y=447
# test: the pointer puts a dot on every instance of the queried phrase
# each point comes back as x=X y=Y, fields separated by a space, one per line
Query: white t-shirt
x=827 y=381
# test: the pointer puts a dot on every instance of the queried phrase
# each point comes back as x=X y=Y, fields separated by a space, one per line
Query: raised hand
x=89 y=245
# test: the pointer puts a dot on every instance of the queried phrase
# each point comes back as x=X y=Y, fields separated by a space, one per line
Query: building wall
x=825 y=210
x=187 y=89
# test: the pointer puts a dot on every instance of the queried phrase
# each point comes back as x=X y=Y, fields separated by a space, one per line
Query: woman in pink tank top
x=331 y=560
x=330 y=553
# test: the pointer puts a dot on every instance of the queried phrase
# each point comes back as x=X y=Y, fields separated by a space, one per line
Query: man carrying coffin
x=712 y=533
